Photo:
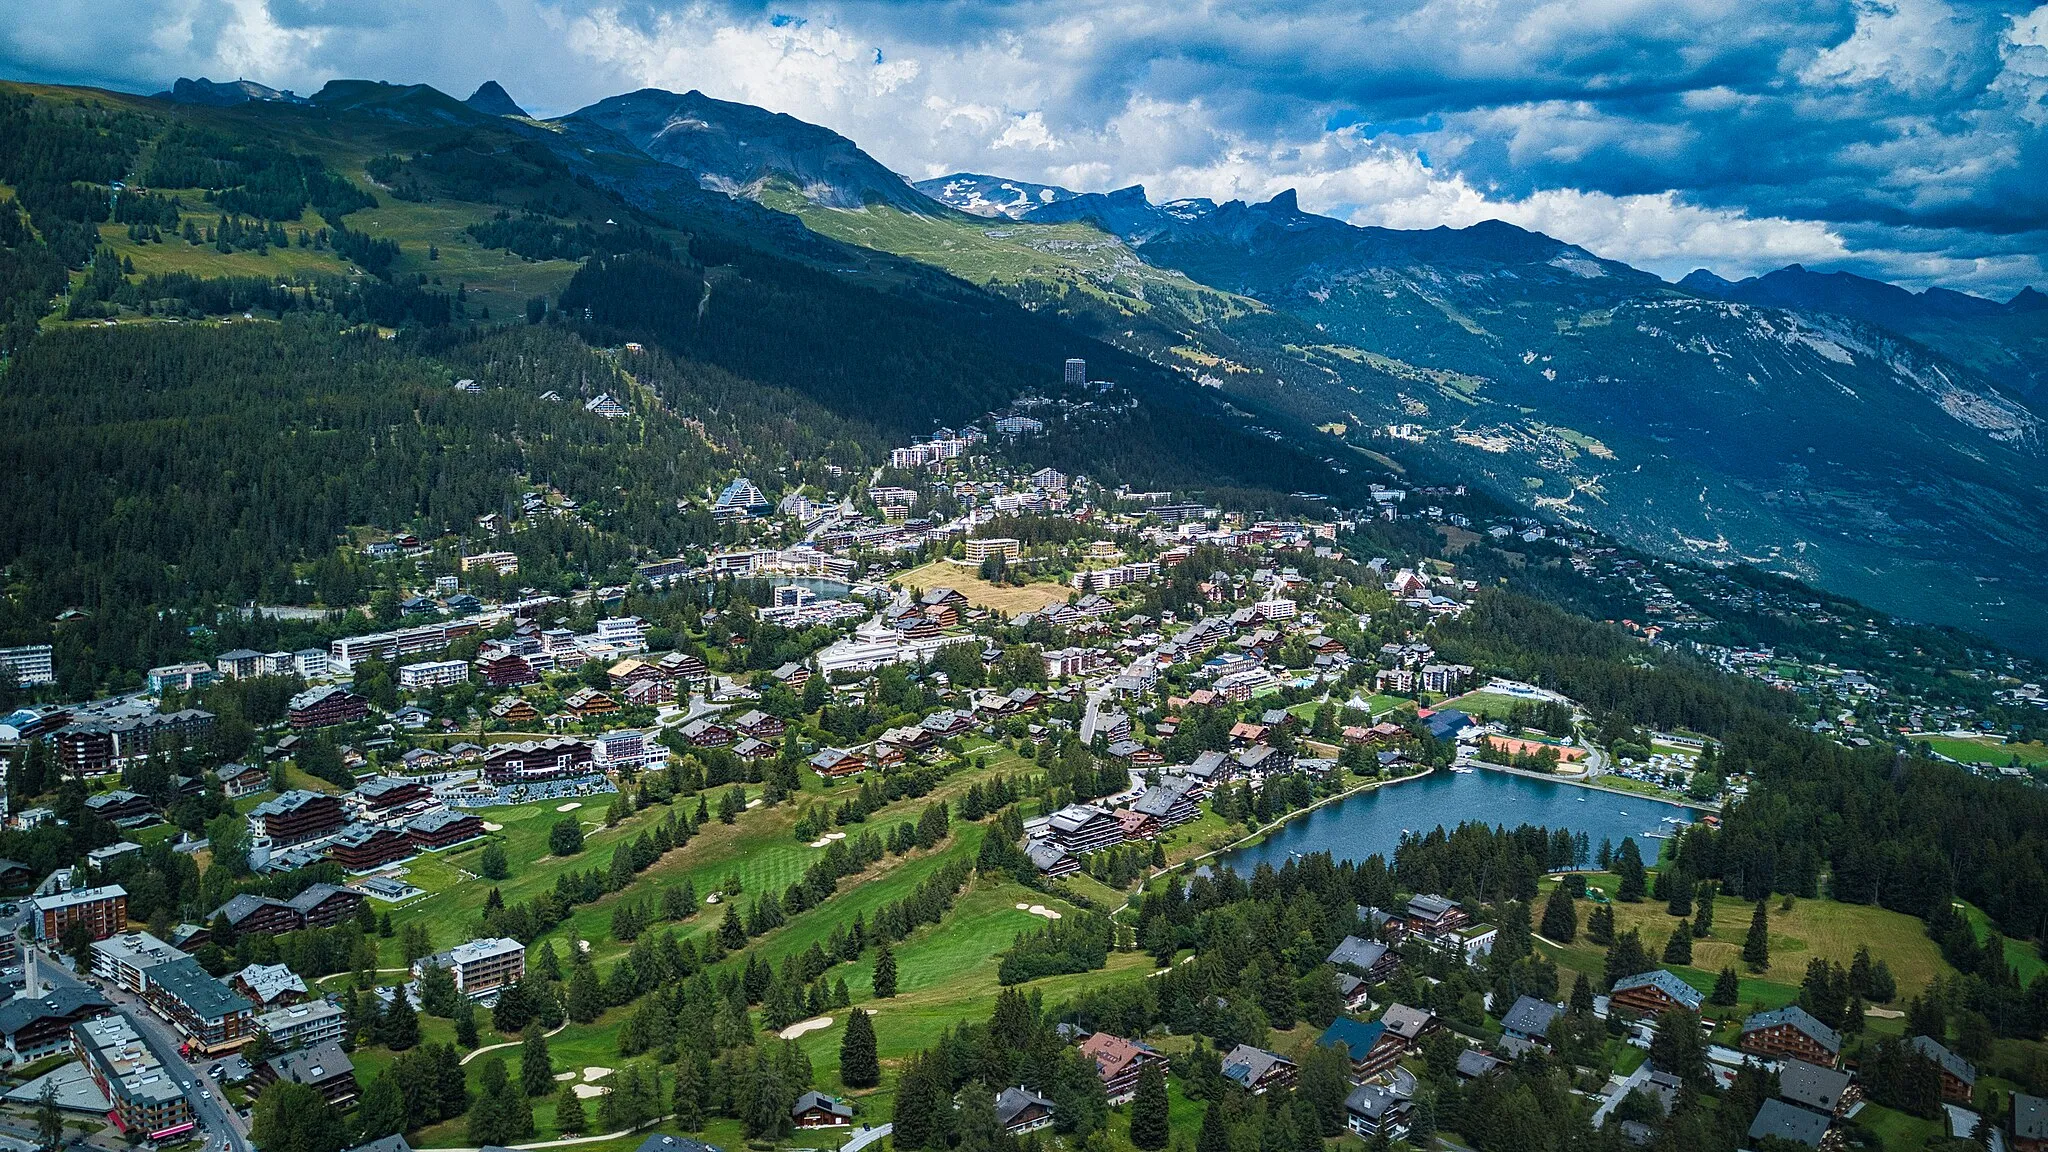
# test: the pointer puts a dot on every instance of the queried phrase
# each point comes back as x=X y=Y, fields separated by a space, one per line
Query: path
x=507 y=1044
x=867 y=1136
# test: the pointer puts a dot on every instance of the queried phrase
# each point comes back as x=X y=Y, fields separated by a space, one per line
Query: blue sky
x=1906 y=139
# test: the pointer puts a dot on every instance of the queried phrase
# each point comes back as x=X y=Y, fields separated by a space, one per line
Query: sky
x=1903 y=139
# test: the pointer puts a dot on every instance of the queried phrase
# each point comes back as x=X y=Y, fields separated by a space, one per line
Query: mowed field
x=1824 y=928
x=980 y=593
x=1985 y=751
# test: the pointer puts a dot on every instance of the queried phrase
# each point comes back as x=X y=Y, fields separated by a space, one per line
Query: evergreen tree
x=1628 y=864
x=1215 y=1132
x=1727 y=989
x=399 y=1027
x=570 y=1118
x=919 y=1097
x=1678 y=949
x=465 y=1022
x=689 y=1094
x=1756 y=947
x=536 y=1067
x=1600 y=925
x=381 y=1112
x=586 y=998
x=885 y=973
x=1148 y=1109
x=1560 y=918
x=1703 y=909
x=858 y=1065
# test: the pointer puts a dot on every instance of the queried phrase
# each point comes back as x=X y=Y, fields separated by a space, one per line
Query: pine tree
x=1215 y=1133
x=382 y=1110
x=465 y=1022
x=586 y=998
x=570 y=1118
x=689 y=1094
x=1727 y=989
x=1756 y=948
x=399 y=1027
x=1560 y=918
x=536 y=1067
x=1703 y=909
x=858 y=1065
x=1678 y=949
x=1148 y=1109
x=919 y=1096
x=885 y=973
x=1628 y=864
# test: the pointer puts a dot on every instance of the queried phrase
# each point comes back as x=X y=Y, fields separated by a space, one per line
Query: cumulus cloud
x=1900 y=138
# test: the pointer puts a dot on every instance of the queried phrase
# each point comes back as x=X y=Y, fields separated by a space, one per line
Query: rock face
x=991 y=196
x=740 y=150
x=221 y=95
x=491 y=99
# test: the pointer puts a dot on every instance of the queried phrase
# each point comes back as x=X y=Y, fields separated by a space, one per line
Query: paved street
x=225 y=1129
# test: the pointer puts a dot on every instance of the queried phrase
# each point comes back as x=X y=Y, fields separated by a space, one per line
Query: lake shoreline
x=1696 y=805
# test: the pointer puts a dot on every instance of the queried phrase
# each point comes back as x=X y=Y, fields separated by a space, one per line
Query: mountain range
x=1879 y=442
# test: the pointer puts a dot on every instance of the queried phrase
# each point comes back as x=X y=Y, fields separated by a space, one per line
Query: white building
x=432 y=674
x=30 y=664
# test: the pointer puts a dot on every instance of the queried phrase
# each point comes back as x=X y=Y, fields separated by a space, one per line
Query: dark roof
x=816 y=1099
x=317 y=894
x=1472 y=1063
x=1446 y=723
x=1812 y=1085
x=384 y=1144
x=191 y=985
x=1951 y=1063
x=315 y=1065
x=2029 y=1116
x=61 y=1003
x=1777 y=1118
x=1246 y=1065
x=1010 y=1102
x=242 y=907
x=1530 y=1016
x=1671 y=986
x=664 y=1143
x=1356 y=952
x=1799 y=1018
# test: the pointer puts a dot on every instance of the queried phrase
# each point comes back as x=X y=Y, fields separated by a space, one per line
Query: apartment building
x=480 y=967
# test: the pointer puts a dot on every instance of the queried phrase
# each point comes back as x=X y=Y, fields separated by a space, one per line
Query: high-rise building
x=1077 y=372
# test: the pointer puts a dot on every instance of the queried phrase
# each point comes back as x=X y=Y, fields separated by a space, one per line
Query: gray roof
x=1786 y=1122
x=384 y=1144
x=191 y=985
x=1045 y=855
x=1159 y=801
x=816 y=1099
x=1951 y=1063
x=314 y=894
x=2029 y=1116
x=240 y=908
x=1812 y=1085
x=1012 y=1101
x=1530 y=1016
x=1800 y=1019
x=315 y=1065
x=1246 y=1065
x=663 y=1143
x=1472 y=1063
x=62 y=1002
x=1358 y=953
x=1372 y=1101
x=1671 y=986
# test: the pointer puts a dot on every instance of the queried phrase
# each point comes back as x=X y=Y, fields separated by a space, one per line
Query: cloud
x=1901 y=138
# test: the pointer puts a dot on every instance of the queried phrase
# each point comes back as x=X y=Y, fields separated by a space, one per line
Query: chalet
x=443 y=828
x=2029 y=1123
x=323 y=1067
x=1051 y=860
x=121 y=808
x=508 y=670
x=648 y=693
x=325 y=905
x=706 y=732
x=1372 y=1111
x=1791 y=1031
x=792 y=676
x=1432 y=916
x=1082 y=828
x=948 y=723
x=817 y=1110
x=1118 y=1061
x=270 y=985
x=760 y=725
x=1409 y=1025
x=1368 y=958
x=1169 y=803
x=752 y=749
x=239 y=780
x=1473 y=1064
x=1263 y=760
x=943 y=606
x=297 y=816
x=909 y=738
x=1958 y=1076
x=361 y=848
x=1824 y=1090
x=585 y=702
x=1257 y=1070
x=259 y=914
x=1368 y=1047
x=326 y=706
x=1789 y=1123
x=833 y=763
x=1244 y=733
x=1211 y=768
x=1356 y=992
x=382 y=794
x=530 y=761
x=1136 y=825
x=514 y=710
x=1648 y=993
x=1020 y=1110
x=1529 y=1020
x=633 y=670
x=683 y=666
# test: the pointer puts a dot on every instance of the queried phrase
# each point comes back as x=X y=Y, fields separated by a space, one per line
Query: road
x=225 y=1130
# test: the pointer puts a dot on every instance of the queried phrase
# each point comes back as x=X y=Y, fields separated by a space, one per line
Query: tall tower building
x=1077 y=372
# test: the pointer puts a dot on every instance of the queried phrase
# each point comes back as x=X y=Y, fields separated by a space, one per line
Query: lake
x=1372 y=822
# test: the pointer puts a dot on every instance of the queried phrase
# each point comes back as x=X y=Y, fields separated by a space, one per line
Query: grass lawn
x=1493 y=704
x=1899 y=1132
x=1382 y=704
x=965 y=580
x=1824 y=928
x=2024 y=958
x=1984 y=750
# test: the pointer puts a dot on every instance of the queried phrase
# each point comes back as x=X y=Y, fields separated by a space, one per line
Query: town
x=697 y=843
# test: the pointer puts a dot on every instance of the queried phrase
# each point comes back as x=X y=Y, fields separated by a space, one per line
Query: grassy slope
x=981 y=593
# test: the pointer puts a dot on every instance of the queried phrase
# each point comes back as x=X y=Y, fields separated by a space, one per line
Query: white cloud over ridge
x=1898 y=138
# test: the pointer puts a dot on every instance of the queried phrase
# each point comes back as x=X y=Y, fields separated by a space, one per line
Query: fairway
x=980 y=593
x=1975 y=750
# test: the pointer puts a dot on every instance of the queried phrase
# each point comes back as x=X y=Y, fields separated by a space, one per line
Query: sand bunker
x=595 y=1073
x=802 y=1026
x=1039 y=910
x=571 y=806
x=490 y=827
x=588 y=1091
